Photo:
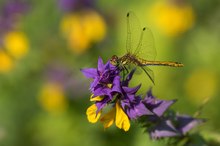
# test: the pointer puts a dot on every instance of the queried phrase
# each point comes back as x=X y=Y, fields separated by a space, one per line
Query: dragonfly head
x=114 y=60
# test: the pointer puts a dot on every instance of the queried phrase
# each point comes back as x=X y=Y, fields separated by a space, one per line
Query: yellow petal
x=121 y=119
x=91 y=114
x=97 y=98
x=108 y=118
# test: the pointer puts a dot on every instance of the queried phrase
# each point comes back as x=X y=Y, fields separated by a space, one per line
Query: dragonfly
x=141 y=50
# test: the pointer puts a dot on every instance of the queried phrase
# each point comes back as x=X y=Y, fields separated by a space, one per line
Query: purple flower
x=136 y=107
x=176 y=125
x=163 y=129
x=157 y=106
x=132 y=104
x=106 y=79
x=101 y=104
x=106 y=82
x=185 y=123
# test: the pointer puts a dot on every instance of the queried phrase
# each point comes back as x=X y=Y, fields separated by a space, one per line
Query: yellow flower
x=16 y=44
x=121 y=119
x=92 y=115
x=83 y=29
x=52 y=98
x=116 y=115
x=6 y=63
x=171 y=18
x=200 y=85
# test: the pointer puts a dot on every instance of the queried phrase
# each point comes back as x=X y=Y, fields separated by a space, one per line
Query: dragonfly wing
x=133 y=32
x=149 y=73
x=146 y=46
x=138 y=70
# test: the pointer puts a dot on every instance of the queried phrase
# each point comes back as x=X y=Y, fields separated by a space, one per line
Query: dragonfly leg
x=123 y=74
x=123 y=71
x=126 y=69
x=151 y=78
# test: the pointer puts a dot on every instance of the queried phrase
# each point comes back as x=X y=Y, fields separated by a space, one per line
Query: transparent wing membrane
x=138 y=70
x=146 y=47
x=133 y=32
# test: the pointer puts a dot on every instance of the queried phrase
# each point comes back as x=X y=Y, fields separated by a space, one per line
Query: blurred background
x=44 y=43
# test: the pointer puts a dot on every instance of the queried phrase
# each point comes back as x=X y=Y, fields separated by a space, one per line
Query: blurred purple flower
x=67 y=78
x=173 y=126
x=72 y=5
x=58 y=73
x=15 y=7
x=9 y=14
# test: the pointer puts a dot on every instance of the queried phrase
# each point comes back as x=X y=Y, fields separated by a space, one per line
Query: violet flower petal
x=131 y=90
x=101 y=66
x=162 y=107
x=90 y=72
x=186 y=123
x=116 y=86
x=101 y=104
x=137 y=110
x=156 y=105
x=163 y=129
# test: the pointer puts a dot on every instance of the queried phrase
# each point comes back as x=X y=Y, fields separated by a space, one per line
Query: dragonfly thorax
x=129 y=58
x=124 y=60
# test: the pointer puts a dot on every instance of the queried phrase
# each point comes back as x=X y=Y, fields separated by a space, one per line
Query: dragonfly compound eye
x=114 y=60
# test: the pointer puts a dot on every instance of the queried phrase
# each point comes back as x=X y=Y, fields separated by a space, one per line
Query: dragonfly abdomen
x=143 y=62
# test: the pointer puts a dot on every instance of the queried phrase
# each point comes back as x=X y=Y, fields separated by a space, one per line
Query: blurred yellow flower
x=171 y=18
x=52 y=98
x=200 y=85
x=6 y=63
x=95 y=27
x=16 y=44
x=83 y=29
